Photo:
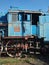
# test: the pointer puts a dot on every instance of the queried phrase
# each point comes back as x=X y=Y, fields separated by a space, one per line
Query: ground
x=33 y=60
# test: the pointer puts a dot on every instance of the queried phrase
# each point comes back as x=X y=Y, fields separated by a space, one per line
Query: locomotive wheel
x=18 y=50
x=1 y=48
x=11 y=48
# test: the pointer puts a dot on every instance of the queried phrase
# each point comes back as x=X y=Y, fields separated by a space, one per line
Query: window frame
x=16 y=17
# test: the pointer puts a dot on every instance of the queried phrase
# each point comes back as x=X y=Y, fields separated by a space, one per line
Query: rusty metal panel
x=16 y=28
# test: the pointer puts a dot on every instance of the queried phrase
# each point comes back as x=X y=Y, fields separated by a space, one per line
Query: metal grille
x=14 y=17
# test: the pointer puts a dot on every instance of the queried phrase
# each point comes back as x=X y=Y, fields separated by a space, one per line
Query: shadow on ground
x=39 y=60
x=43 y=58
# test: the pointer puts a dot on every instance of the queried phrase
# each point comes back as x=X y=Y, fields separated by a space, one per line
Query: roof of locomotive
x=24 y=11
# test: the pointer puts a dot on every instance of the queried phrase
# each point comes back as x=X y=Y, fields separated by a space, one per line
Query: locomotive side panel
x=44 y=27
x=33 y=29
x=14 y=29
x=27 y=28
x=19 y=26
x=14 y=26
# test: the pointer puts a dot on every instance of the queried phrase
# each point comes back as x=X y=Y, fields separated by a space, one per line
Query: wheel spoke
x=11 y=48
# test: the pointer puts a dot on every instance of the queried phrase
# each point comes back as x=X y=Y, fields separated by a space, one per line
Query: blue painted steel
x=44 y=27
x=24 y=31
x=42 y=19
x=12 y=32
x=47 y=18
x=9 y=17
x=33 y=29
x=41 y=30
x=27 y=28
x=46 y=31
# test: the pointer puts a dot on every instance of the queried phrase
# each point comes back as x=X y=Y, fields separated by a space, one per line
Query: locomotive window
x=27 y=17
x=20 y=17
x=14 y=17
x=35 y=19
x=24 y=17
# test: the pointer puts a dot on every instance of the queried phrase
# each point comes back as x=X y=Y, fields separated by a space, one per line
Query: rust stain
x=16 y=29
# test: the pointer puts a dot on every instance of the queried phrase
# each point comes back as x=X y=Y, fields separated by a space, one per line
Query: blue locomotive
x=23 y=31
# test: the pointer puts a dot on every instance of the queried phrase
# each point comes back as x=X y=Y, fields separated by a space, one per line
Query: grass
x=14 y=61
x=8 y=61
x=22 y=61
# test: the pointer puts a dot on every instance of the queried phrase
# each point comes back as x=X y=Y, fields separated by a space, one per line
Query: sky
x=24 y=4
